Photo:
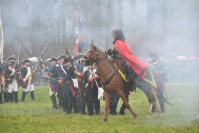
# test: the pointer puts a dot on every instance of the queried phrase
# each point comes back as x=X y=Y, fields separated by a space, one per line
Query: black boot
x=23 y=96
x=97 y=106
x=67 y=106
x=53 y=99
x=76 y=104
x=111 y=107
x=122 y=109
x=10 y=97
x=114 y=107
x=6 y=97
x=32 y=95
x=82 y=105
x=1 y=99
x=90 y=108
x=16 y=96
x=132 y=76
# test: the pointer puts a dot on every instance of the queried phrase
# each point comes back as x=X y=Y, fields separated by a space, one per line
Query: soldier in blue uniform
x=64 y=90
x=160 y=77
x=72 y=82
x=52 y=73
x=61 y=71
x=92 y=79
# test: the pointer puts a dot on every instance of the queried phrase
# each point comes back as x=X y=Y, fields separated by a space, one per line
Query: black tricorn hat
x=154 y=54
x=61 y=56
x=12 y=58
x=68 y=60
x=26 y=60
x=53 y=59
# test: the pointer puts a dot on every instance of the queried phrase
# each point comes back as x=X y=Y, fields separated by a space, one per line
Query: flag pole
x=1 y=38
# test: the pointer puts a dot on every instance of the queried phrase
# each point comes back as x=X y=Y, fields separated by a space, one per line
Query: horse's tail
x=166 y=100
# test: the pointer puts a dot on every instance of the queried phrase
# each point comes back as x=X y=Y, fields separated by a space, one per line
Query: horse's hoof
x=135 y=116
x=149 y=116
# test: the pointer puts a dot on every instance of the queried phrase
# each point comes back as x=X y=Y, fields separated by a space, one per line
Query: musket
x=69 y=57
x=38 y=59
x=49 y=79
x=43 y=52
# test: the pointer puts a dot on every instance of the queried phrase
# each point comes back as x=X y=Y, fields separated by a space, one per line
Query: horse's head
x=91 y=56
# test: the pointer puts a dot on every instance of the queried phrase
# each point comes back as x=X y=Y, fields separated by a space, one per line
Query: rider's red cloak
x=136 y=64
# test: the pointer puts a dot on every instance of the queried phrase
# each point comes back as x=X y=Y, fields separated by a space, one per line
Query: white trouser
x=13 y=87
x=30 y=87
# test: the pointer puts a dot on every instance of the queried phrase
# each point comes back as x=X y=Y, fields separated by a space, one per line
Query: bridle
x=95 y=59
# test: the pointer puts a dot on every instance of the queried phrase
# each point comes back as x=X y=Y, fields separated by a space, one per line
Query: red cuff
x=90 y=79
x=97 y=76
x=80 y=75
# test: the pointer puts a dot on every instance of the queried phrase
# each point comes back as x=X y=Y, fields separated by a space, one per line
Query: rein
x=97 y=60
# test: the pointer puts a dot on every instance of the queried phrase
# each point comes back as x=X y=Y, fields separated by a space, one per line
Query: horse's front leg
x=122 y=96
x=107 y=103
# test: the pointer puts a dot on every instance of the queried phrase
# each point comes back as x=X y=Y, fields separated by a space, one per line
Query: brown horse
x=111 y=79
x=146 y=87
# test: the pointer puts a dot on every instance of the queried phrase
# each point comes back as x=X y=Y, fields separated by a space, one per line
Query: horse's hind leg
x=152 y=102
x=107 y=103
x=121 y=94
x=150 y=110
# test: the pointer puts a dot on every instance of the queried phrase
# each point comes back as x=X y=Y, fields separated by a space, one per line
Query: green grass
x=38 y=116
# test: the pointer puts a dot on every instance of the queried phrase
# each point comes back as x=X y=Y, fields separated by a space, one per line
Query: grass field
x=38 y=116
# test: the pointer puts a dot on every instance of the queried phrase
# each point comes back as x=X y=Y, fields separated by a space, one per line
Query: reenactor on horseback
x=52 y=73
x=11 y=79
x=134 y=67
x=160 y=77
x=26 y=80
x=92 y=79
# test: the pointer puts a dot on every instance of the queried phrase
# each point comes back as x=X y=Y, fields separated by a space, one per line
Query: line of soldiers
x=12 y=76
x=75 y=86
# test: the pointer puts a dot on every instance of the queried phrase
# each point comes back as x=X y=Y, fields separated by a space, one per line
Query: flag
x=1 y=38
x=79 y=38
